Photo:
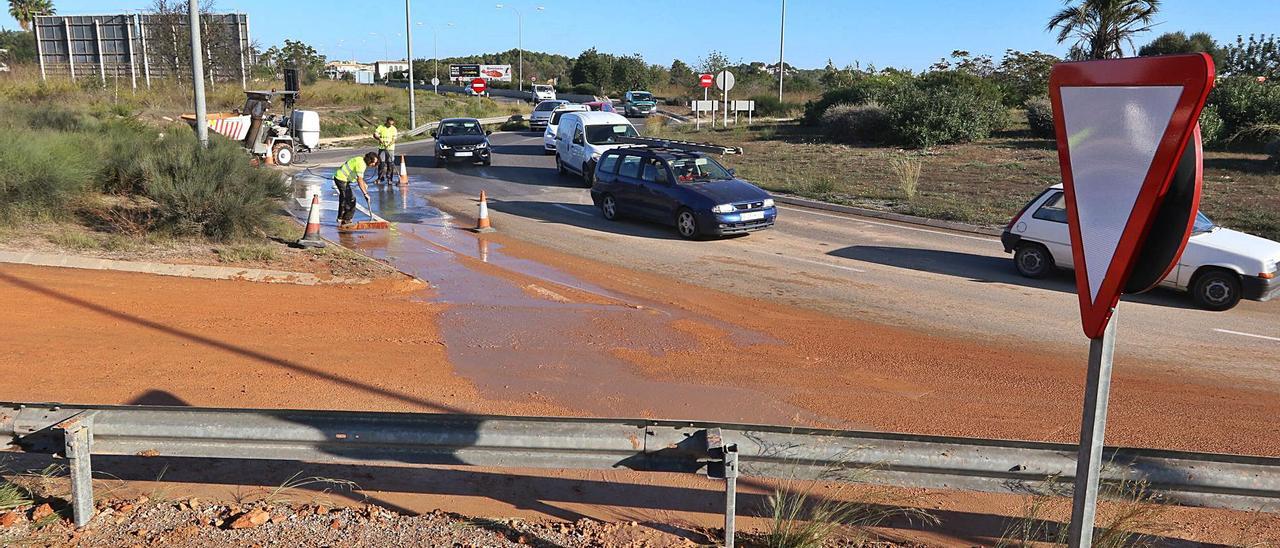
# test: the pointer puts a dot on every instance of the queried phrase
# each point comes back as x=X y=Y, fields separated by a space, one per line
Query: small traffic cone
x=404 y=172
x=482 y=222
x=311 y=238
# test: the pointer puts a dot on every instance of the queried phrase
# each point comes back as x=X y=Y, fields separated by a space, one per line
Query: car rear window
x=547 y=106
x=630 y=166
x=609 y=163
x=1054 y=209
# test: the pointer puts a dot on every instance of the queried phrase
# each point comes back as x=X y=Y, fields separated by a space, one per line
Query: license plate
x=753 y=216
x=461 y=154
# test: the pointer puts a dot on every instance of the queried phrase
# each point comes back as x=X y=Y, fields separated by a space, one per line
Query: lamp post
x=519 y=41
x=435 y=51
x=782 y=33
x=408 y=46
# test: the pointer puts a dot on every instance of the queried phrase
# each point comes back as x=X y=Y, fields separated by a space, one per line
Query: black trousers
x=386 y=163
x=346 y=201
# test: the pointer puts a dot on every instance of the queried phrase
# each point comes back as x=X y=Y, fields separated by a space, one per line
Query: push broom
x=374 y=222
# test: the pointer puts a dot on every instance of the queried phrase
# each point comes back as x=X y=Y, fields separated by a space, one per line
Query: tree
x=714 y=62
x=681 y=74
x=1178 y=42
x=592 y=67
x=26 y=11
x=1260 y=56
x=299 y=55
x=966 y=62
x=1102 y=27
x=630 y=72
x=21 y=45
x=834 y=77
x=1024 y=75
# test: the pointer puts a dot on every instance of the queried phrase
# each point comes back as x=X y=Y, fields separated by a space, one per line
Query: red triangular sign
x=1122 y=126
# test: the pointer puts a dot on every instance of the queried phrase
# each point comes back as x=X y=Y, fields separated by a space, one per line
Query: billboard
x=501 y=73
x=464 y=72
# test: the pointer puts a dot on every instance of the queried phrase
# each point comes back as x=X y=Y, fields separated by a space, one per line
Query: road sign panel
x=724 y=80
x=706 y=80
x=478 y=85
x=435 y=81
x=1122 y=126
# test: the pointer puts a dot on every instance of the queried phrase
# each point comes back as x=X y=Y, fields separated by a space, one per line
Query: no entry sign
x=1122 y=127
x=706 y=80
x=478 y=85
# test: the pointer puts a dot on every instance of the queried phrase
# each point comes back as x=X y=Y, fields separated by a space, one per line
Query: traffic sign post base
x=1093 y=425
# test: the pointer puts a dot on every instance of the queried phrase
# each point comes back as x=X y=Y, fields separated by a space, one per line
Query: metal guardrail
x=1000 y=466
x=423 y=128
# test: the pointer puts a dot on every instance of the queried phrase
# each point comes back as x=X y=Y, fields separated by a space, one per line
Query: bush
x=1244 y=104
x=769 y=105
x=944 y=108
x=1040 y=117
x=211 y=192
x=865 y=88
x=1211 y=127
x=45 y=173
x=585 y=89
x=847 y=123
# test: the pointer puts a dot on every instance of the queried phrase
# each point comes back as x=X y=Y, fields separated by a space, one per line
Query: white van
x=1218 y=267
x=543 y=92
x=549 y=134
x=583 y=136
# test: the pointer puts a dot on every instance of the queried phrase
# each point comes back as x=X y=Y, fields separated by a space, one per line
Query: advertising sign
x=464 y=72
x=500 y=73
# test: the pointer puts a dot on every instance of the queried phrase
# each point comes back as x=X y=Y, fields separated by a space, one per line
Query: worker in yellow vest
x=352 y=171
x=386 y=135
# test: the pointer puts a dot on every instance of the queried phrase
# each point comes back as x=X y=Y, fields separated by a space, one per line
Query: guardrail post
x=730 y=492
x=78 y=444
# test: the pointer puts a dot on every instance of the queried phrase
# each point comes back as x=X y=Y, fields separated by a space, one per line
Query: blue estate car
x=688 y=189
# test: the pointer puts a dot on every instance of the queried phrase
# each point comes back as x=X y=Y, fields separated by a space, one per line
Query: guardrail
x=718 y=450
x=423 y=128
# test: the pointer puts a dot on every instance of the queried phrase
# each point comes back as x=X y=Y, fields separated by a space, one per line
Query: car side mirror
x=733 y=172
x=488 y=132
x=433 y=133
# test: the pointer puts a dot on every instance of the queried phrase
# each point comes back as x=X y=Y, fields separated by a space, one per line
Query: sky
x=899 y=33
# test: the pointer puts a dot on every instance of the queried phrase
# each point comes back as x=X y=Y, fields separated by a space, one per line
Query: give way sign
x=1123 y=128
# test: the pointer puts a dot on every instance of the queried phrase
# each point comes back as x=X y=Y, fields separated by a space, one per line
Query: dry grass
x=907 y=171
x=981 y=183
x=1130 y=516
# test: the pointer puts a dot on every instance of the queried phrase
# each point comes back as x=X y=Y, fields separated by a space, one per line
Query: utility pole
x=782 y=34
x=408 y=41
x=519 y=42
x=197 y=74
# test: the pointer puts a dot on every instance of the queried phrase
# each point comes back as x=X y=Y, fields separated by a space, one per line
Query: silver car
x=542 y=114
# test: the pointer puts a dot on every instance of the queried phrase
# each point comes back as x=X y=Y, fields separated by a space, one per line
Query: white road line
x=572 y=210
x=1263 y=337
x=890 y=225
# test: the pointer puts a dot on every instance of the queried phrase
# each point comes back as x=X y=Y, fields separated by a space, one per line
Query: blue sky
x=901 y=33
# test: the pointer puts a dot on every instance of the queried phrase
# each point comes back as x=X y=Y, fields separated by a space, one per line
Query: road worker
x=386 y=134
x=352 y=171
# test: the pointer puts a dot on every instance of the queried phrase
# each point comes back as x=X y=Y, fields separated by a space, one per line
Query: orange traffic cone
x=482 y=222
x=311 y=238
x=404 y=172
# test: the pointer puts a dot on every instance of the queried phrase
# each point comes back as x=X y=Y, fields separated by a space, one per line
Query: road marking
x=1263 y=337
x=572 y=210
x=890 y=225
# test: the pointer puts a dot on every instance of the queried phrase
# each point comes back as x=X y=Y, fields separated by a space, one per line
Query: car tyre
x=589 y=173
x=687 y=224
x=1216 y=290
x=560 y=167
x=440 y=162
x=1033 y=260
x=609 y=207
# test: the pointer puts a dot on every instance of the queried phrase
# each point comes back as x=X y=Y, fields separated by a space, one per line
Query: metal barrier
x=423 y=128
x=719 y=450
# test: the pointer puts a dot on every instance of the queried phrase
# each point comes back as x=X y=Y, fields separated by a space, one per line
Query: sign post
x=435 y=84
x=478 y=85
x=704 y=80
x=1129 y=152
x=724 y=81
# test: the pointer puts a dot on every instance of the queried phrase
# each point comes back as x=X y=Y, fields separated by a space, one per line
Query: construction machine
x=275 y=139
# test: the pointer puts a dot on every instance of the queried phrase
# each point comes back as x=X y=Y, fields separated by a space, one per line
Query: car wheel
x=560 y=167
x=589 y=173
x=687 y=224
x=609 y=207
x=1216 y=290
x=487 y=162
x=440 y=162
x=1033 y=260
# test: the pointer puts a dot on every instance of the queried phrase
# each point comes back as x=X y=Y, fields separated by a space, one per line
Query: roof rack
x=679 y=145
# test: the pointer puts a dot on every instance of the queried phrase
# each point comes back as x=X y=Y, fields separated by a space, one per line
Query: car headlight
x=442 y=146
x=768 y=202
x=482 y=145
x=724 y=208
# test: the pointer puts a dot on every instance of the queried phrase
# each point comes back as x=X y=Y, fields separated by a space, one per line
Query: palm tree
x=26 y=11
x=1101 y=27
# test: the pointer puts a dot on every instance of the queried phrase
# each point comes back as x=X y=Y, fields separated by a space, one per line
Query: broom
x=374 y=222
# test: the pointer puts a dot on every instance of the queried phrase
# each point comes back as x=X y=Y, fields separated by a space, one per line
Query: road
x=926 y=279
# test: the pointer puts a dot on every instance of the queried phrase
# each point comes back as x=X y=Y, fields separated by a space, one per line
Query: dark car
x=461 y=139
x=686 y=189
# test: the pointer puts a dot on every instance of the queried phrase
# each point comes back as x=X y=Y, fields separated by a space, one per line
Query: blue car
x=686 y=189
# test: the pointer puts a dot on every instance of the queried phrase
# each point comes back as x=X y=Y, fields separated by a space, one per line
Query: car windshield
x=453 y=129
x=542 y=88
x=603 y=134
x=642 y=96
x=699 y=170
x=547 y=106
x=1203 y=224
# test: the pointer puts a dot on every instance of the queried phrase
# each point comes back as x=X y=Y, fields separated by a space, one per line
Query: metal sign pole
x=408 y=45
x=726 y=103
x=1093 y=426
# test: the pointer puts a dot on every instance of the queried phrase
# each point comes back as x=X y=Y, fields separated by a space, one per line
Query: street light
x=435 y=53
x=782 y=33
x=520 y=40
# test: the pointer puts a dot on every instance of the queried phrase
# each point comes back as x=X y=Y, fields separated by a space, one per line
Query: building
x=381 y=69
x=335 y=69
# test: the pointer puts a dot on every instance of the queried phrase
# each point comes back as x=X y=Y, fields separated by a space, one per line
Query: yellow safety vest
x=386 y=137
x=352 y=171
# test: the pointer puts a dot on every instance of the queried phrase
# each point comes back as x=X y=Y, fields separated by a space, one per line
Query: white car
x=549 y=134
x=542 y=113
x=583 y=136
x=1219 y=266
x=543 y=92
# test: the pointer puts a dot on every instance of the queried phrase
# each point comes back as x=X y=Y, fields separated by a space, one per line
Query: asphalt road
x=932 y=280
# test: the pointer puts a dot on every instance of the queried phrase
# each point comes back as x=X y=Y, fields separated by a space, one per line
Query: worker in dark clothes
x=352 y=171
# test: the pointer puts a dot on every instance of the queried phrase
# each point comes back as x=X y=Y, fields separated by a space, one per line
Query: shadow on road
x=521 y=150
x=583 y=216
x=985 y=269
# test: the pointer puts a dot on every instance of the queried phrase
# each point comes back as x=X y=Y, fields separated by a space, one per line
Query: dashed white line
x=890 y=225
x=1263 y=337
x=572 y=210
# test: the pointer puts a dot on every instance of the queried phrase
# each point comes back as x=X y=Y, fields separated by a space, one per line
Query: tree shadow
x=583 y=216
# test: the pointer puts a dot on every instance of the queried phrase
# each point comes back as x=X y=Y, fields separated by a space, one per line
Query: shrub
x=211 y=192
x=945 y=107
x=1211 y=126
x=1243 y=103
x=45 y=172
x=769 y=105
x=865 y=88
x=847 y=123
x=586 y=89
x=1040 y=117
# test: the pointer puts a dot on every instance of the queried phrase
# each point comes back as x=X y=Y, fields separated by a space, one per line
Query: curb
x=165 y=269
x=886 y=215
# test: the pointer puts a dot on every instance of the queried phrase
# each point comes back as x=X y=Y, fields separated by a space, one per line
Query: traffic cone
x=311 y=238
x=482 y=222
x=404 y=172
